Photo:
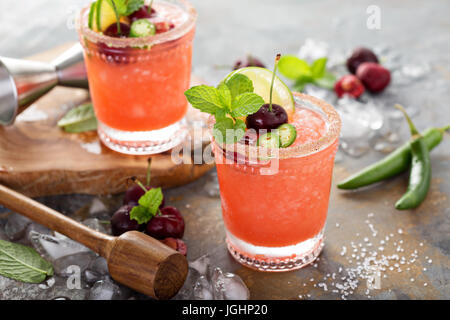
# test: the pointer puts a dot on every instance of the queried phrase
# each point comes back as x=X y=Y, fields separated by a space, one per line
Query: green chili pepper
x=420 y=175
x=395 y=163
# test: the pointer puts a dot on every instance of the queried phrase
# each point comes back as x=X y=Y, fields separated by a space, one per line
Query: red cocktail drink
x=275 y=214
x=137 y=84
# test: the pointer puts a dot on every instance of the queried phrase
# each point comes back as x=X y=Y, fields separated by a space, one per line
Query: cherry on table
x=358 y=56
x=121 y=222
x=266 y=119
x=374 y=76
x=248 y=61
x=169 y=223
x=350 y=85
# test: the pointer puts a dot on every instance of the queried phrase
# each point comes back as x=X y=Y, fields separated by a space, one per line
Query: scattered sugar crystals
x=368 y=264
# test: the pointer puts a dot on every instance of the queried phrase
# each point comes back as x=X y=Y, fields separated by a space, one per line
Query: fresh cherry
x=133 y=194
x=176 y=244
x=266 y=119
x=248 y=61
x=112 y=30
x=121 y=222
x=169 y=223
x=358 y=56
x=374 y=76
x=142 y=13
x=350 y=85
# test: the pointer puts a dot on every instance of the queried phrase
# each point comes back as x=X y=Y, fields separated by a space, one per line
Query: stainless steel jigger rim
x=9 y=101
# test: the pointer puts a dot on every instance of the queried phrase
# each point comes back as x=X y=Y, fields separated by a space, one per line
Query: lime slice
x=261 y=79
x=102 y=15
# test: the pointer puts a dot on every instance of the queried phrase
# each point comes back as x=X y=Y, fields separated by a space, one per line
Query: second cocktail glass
x=275 y=211
x=137 y=84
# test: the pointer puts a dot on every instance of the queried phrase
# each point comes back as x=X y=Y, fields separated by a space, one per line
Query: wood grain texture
x=37 y=158
x=134 y=259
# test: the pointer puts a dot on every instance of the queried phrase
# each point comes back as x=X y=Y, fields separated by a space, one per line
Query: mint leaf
x=293 y=68
x=79 y=119
x=204 y=98
x=239 y=129
x=239 y=84
x=299 y=85
x=318 y=68
x=140 y=214
x=119 y=6
x=224 y=95
x=246 y=104
x=327 y=81
x=223 y=130
x=148 y=206
x=151 y=200
x=23 y=263
x=133 y=5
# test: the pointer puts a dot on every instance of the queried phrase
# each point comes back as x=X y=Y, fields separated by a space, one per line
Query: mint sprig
x=230 y=101
x=148 y=206
x=303 y=73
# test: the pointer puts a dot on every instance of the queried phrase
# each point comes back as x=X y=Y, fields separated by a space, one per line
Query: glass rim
x=332 y=134
x=176 y=33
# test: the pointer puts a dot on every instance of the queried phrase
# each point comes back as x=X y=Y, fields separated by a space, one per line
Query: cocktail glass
x=137 y=84
x=274 y=207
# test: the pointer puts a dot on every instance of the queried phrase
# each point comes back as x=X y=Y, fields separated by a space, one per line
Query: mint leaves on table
x=230 y=101
x=79 y=119
x=23 y=263
x=299 y=70
x=148 y=206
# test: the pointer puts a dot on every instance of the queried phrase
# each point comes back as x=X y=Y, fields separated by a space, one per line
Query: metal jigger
x=24 y=81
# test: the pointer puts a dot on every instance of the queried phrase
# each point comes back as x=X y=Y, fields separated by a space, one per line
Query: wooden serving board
x=37 y=158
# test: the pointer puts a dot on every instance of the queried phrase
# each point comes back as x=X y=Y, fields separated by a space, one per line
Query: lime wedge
x=101 y=16
x=261 y=79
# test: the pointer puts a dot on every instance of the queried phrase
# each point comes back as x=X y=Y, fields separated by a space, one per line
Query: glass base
x=143 y=142
x=275 y=259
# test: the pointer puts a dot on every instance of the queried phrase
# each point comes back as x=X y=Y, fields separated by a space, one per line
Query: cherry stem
x=149 y=171
x=277 y=58
x=135 y=180
x=150 y=7
x=119 y=31
x=412 y=128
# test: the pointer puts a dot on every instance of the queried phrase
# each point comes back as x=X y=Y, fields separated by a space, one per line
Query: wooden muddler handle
x=97 y=241
x=134 y=259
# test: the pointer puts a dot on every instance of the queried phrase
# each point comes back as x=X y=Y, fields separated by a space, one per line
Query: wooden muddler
x=134 y=259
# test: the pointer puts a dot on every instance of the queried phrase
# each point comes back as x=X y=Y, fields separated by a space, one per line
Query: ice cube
x=63 y=289
x=52 y=247
x=97 y=270
x=313 y=49
x=36 y=227
x=95 y=224
x=203 y=289
x=97 y=206
x=228 y=286
x=108 y=290
x=16 y=226
x=360 y=122
x=62 y=266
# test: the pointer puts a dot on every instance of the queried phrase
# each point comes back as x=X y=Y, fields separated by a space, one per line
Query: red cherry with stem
x=137 y=190
x=169 y=223
x=270 y=115
x=113 y=30
x=143 y=12
x=121 y=221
